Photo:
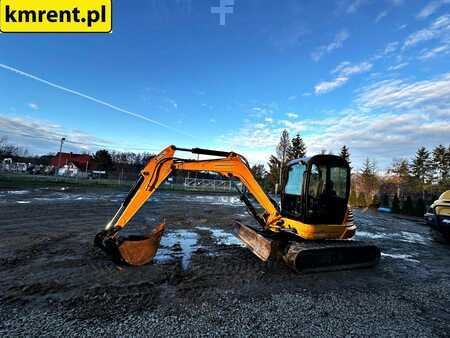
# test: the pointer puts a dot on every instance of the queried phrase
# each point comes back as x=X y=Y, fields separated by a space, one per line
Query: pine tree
x=421 y=166
x=345 y=154
x=375 y=201
x=297 y=149
x=441 y=161
x=274 y=172
x=369 y=179
x=400 y=168
x=407 y=206
x=419 y=208
x=395 y=208
x=353 y=198
x=283 y=147
x=361 y=200
x=385 y=201
x=282 y=153
x=259 y=173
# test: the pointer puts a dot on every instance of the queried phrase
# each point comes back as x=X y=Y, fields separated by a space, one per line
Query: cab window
x=338 y=181
x=295 y=180
x=317 y=181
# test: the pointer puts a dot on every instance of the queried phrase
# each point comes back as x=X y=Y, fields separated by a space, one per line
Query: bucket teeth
x=132 y=250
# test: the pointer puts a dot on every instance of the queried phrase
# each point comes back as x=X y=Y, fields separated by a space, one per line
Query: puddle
x=404 y=257
x=222 y=237
x=413 y=237
x=370 y=235
x=18 y=192
x=23 y=202
x=403 y=236
x=178 y=243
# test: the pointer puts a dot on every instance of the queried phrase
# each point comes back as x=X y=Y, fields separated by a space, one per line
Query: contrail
x=91 y=98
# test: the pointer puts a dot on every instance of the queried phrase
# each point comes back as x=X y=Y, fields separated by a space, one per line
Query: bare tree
x=282 y=152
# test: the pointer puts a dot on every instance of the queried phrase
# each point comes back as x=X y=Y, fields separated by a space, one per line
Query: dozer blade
x=132 y=250
x=262 y=246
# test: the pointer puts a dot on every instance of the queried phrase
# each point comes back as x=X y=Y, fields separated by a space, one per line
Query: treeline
x=408 y=186
x=115 y=163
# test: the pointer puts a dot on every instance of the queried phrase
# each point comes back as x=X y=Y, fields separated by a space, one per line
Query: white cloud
x=396 y=2
x=398 y=66
x=381 y=16
x=337 y=42
x=294 y=126
x=390 y=47
x=347 y=69
x=212 y=120
x=292 y=115
x=387 y=119
x=430 y=96
x=431 y=53
x=33 y=105
x=292 y=97
x=327 y=86
x=355 y=5
x=384 y=136
x=41 y=136
x=440 y=28
x=431 y=8
x=268 y=119
x=343 y=73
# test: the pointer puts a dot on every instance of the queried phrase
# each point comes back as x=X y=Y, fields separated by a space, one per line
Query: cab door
x=292 y=205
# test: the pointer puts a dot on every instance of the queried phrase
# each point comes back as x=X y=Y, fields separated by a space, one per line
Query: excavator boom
x=277 y=236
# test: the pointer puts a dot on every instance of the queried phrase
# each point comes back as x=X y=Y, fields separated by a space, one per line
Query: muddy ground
x=53 y=281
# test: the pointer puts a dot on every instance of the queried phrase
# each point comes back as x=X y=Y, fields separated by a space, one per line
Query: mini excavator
x=309 y=232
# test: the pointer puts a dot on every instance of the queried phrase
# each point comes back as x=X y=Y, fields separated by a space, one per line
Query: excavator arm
x=135 y=251
x=159 y=168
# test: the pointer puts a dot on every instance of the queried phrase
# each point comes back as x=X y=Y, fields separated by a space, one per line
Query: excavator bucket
x=132 y=250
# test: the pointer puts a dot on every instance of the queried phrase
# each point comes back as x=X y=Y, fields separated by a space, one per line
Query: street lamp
x=59 y=154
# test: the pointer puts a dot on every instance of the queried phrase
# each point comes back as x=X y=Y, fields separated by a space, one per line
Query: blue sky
x=374 y=75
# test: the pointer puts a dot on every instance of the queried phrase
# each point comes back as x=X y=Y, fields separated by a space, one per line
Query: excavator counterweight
x=308 y=232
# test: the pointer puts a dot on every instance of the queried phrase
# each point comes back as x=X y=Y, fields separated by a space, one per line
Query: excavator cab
x=316 y=189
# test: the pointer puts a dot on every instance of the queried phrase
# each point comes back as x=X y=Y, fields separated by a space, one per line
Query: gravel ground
x=54 y=283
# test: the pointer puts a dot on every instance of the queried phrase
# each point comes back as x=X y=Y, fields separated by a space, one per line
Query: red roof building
x=80 y=160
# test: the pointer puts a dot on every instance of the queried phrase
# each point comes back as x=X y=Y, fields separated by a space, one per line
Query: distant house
x=71 y=170
x=71 y=164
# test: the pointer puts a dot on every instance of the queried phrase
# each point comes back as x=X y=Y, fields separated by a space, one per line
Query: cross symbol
x=223 y=10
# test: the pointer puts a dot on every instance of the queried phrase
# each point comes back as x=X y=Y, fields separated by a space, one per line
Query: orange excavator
x=309 y=232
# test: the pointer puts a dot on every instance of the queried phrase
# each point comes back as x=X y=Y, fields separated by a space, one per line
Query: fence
x=202 y=184
x=186 y=184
